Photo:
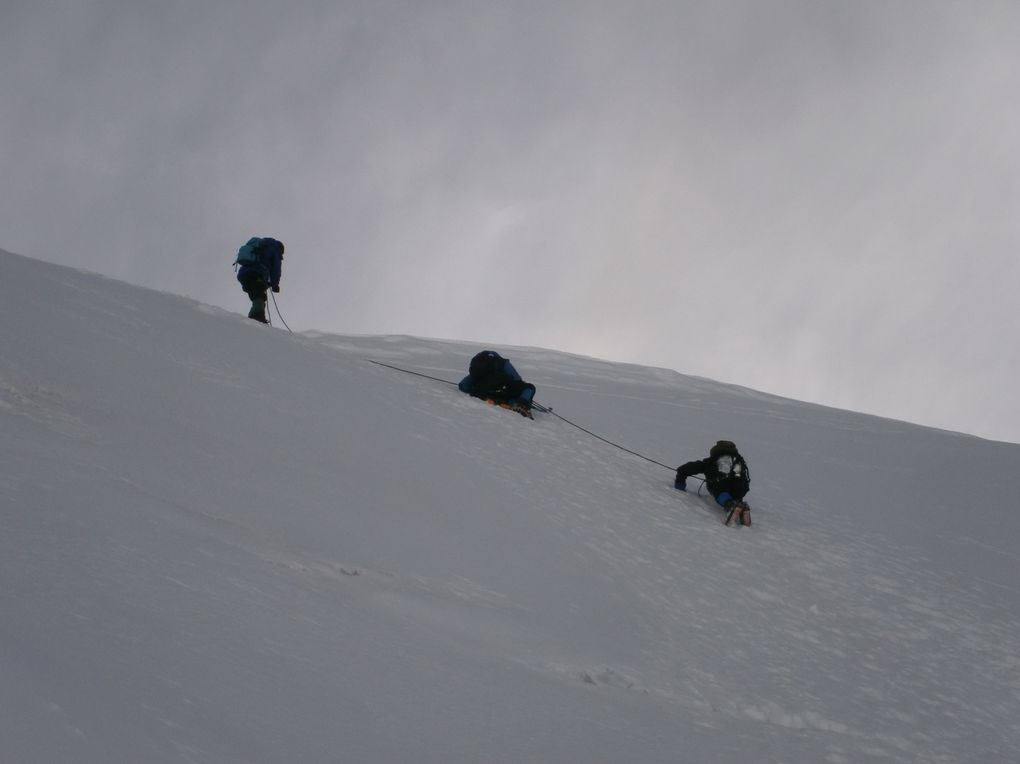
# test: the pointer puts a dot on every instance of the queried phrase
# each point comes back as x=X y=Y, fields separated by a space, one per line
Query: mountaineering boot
x=523 y=408
x=745 y=515
x=258 y=310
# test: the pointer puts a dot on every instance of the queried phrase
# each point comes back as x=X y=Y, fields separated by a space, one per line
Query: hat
x=723 y=447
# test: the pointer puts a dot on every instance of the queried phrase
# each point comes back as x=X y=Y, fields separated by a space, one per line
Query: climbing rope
x=611 y=443
x=541 y=408
x=273 y=295
x=407 y=371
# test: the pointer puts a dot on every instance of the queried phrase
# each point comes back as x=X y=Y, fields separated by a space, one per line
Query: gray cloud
x=814 y=198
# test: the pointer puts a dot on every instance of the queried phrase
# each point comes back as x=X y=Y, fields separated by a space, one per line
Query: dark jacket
x=725 y=472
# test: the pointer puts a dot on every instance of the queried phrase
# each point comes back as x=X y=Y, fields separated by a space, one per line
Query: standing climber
x=259 y=262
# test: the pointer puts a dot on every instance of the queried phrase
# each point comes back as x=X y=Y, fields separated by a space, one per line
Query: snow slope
x=225 y=543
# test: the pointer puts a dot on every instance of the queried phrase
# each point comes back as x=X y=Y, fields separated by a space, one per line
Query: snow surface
x=222 y=542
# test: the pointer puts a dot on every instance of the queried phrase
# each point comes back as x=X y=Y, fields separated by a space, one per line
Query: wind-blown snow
x=224 y=543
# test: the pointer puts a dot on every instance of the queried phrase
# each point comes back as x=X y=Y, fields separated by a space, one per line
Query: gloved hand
x=680 y=485
x=276 y=288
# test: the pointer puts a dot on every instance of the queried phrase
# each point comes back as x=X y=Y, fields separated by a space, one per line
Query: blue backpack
x=250 y=254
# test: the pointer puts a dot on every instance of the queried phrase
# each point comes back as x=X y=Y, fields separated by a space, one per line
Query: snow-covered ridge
x=225 y=543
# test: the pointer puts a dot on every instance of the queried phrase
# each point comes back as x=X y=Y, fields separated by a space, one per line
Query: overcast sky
x=817 y=199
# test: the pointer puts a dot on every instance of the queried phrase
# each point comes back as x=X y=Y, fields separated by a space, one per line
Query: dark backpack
x=730 y=466
x=486 y=364
x=729 y=470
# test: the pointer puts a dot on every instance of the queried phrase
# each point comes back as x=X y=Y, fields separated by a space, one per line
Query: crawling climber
x=494 y=378
x=726 y=478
